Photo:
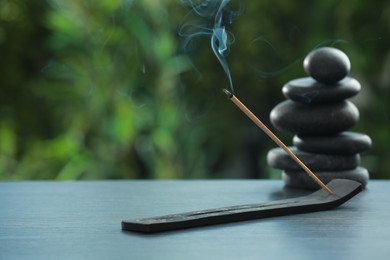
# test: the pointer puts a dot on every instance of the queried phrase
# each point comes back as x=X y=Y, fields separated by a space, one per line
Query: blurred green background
x=102 y=89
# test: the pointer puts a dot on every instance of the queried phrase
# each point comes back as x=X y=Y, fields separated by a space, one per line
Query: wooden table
x=81 y=220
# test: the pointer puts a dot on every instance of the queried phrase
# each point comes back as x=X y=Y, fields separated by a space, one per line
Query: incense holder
x=318 y=113
x=343 y=190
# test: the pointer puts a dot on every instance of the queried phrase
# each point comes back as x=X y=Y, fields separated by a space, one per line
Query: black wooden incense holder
x=320 y=200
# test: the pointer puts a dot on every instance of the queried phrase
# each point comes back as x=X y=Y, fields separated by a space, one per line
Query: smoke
x=218 y=17
x=263 y=74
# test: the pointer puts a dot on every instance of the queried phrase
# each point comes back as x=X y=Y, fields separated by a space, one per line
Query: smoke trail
x=271 y=74
x=220 y=38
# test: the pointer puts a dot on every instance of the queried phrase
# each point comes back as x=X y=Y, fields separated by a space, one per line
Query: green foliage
x=102 y=89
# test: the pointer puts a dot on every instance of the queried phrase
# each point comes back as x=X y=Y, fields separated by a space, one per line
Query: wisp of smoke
x=220 y=39
x=270 y=74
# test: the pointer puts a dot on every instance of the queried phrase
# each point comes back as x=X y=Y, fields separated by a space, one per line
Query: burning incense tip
x=263 y=127
x=227 y=93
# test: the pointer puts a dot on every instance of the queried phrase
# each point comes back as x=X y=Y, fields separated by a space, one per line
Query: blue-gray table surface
x=81 y=220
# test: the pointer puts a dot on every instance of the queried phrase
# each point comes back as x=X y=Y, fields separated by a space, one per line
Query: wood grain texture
x=81 y=220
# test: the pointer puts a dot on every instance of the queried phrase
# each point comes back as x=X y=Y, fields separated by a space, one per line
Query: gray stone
x=327 y=65
x=315 y=119
x=300 y=179
x=279 y=159
x=344 y=143
x=307 y=90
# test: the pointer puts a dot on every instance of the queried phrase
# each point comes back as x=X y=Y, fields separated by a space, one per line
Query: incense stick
x=260 y=124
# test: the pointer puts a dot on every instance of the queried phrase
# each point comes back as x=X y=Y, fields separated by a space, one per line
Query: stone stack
x=318 y=113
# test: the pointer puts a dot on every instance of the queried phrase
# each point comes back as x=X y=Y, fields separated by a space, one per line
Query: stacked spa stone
x=318 y=113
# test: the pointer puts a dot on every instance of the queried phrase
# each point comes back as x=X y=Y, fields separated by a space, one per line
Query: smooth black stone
x=307 y=90
x=279 y=159
x=327 y=65
x=344 y=143
x=300 y=179
x=315 y=119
